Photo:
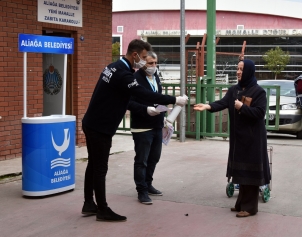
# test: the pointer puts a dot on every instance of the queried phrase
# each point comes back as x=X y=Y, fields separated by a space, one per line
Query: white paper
x=162 y=108
x=167 y=133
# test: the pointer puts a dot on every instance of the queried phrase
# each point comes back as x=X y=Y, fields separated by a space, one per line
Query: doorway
x=53 y=73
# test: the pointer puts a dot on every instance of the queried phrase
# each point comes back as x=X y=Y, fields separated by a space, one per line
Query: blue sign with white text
x=45 y=44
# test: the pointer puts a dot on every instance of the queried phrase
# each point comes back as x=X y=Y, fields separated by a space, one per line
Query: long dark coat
x=248 y=160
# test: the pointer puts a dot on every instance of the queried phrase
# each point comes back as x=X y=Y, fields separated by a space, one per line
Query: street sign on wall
x=63 y=12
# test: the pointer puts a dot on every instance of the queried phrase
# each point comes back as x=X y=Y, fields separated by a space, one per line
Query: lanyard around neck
x=123 y=60
x=154 y=84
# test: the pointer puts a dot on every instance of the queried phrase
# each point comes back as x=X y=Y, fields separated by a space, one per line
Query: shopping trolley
x=263 y=190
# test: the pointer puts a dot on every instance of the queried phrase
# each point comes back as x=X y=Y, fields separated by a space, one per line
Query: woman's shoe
x=243 y=214
x=234 y=209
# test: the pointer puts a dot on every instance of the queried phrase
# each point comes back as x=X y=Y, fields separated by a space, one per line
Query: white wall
x=287 y=8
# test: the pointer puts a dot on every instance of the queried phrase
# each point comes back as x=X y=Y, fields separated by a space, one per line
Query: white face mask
x=150 y=70
x=140 y=64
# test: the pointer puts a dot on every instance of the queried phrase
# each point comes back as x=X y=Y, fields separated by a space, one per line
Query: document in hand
x=167 y=133
x=162 y=108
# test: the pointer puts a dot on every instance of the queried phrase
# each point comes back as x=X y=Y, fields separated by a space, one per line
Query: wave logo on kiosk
x=61 y=161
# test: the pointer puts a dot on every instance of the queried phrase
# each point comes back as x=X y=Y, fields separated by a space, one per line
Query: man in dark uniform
x=105 y=111
x=146 y=128
x=298 y=89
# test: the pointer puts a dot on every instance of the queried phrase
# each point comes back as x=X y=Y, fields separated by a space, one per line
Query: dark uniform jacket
x=138 y=106
x=298 y=89
x=248 y=160
x=111 y=96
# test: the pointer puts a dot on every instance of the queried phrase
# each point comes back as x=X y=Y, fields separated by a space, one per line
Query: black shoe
x=109 y=215
x=144 y=198
x=154 y=192
x=89 y=208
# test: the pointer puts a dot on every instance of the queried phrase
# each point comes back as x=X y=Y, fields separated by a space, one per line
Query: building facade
x=263 y=25
x=89 y=22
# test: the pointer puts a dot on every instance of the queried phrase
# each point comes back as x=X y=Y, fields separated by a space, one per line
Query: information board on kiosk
x=45 y=44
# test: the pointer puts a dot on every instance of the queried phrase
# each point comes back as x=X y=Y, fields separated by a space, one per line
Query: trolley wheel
x=230 y=189
x=266 y=194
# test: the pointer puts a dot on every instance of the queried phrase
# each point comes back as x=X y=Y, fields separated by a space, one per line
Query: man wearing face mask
x=106 y=109
x=146 y=128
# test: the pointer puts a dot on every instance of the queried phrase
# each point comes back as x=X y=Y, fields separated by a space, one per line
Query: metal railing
x=196 y=122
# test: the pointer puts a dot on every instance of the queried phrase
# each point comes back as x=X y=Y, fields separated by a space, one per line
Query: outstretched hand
x=181 y=100
x=201 y=107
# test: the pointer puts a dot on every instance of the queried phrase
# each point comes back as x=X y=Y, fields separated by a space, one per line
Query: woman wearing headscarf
x=248 y=160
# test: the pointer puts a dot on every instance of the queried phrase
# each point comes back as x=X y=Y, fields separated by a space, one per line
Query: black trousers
x=248 y=199
x=148 y=146
x=98 y=147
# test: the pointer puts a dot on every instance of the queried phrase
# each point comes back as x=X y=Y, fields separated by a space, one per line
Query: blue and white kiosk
x=48 y=142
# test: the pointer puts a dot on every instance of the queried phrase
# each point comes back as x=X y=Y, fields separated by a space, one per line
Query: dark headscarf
x=248 y=78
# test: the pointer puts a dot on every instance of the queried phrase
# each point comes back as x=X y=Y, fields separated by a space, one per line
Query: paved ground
x=192 y=178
